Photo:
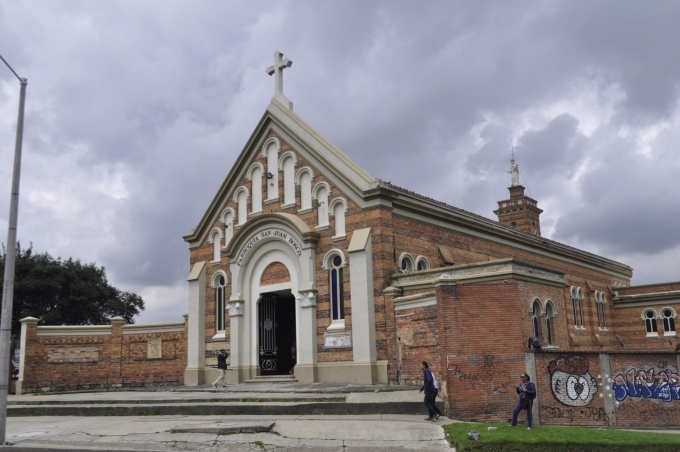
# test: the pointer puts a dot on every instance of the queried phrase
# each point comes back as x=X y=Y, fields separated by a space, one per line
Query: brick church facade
x=306 y=264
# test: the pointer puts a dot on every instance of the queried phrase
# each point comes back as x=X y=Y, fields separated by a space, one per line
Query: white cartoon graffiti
x=570 y=381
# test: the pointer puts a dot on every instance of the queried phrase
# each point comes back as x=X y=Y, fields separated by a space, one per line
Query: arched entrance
x=272 y=266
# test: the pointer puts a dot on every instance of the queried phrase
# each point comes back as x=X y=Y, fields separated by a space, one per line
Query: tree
x=65 y=292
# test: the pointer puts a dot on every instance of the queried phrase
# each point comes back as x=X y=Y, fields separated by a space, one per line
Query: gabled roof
x=334 y=164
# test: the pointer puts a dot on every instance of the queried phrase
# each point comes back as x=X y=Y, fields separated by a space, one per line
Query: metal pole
x=10 y=259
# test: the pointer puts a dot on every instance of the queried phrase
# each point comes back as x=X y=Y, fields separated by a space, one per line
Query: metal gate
x=267 y=327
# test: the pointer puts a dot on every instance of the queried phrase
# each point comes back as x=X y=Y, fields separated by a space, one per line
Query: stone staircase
x=271 y=397
x=273 y=379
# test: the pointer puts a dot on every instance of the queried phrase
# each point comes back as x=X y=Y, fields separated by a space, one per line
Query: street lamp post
x=10 y=260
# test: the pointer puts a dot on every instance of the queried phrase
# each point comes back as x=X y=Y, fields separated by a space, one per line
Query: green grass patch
x=556 y=439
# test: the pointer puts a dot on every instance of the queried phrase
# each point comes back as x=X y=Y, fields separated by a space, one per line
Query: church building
x=306 y=267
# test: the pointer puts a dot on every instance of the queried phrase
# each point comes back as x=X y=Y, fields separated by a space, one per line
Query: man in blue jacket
x=527 y=394
x=430 y=393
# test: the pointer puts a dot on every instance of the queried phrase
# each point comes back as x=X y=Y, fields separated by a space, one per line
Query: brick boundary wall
x=62 y=358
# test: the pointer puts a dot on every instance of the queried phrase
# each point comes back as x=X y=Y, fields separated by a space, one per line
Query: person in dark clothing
x=222 y=366
x=527 y=394
x=430 y=393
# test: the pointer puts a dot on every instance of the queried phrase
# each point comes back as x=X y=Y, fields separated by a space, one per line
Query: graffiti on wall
x=571 y=382
x=486 y=376
x=647 y=383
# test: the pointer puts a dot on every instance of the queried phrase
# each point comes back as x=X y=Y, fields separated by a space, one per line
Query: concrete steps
x=276 y=399
x=273 y=379
x=217 y=408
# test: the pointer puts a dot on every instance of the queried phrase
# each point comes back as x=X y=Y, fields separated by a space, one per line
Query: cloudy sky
x=137 y=110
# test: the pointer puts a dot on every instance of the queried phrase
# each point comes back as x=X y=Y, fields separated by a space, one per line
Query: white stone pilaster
x=363 y=310
x=236 y=331
x=305 y=369
x=194 y=374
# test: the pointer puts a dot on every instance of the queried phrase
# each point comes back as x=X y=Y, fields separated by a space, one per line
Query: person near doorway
x=222 y=366
x=293 y=353
x=527 y=394
x=429 y=389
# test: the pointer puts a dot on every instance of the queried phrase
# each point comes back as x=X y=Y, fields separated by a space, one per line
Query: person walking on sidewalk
x=527 y=394
x=429 y=389
x=434 y=397
x=222 y=366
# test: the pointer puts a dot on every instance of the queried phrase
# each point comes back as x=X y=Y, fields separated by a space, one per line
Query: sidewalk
x=285 y=417
x=374 y=433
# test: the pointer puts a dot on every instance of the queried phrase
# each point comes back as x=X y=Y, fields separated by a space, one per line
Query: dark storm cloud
x=136 y=112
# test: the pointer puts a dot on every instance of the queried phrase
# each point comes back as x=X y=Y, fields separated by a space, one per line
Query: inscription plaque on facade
x=64 y=355
x=155 y=349
x=337 y=340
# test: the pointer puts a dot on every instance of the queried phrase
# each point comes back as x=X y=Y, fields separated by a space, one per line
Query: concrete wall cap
x=29 y=319
x=359 y=240
x=196 y=271
x=117 y=319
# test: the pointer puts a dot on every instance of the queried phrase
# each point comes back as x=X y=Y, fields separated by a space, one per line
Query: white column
x=236 y=375
x=194 y=374
x=360 y=251
x=22 y=350
x=305 y=369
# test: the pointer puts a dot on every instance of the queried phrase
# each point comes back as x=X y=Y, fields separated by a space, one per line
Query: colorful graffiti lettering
x=663 y=385
x=570 y=381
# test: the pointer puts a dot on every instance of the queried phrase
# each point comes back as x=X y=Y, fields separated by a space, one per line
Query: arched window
x=649 y=316
x=668 y=316
x=535 y=314
x=600 y=301
x=577 y=306
x=241 y=199
x=304 y=180
x=216 y=240
x=338 y=209
x=255 y=176
x=422 y=263
x=320 y=193
x=228 y=221
x=219 y=283
x=271 y=153
x=334 y=263
x=550 y=322
x=406 y=263
x=287 y=166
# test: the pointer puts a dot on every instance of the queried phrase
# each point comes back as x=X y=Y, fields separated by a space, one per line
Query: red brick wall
x=481 y=348
x=629 y=327
x=275 y=273
x=122 y=360
x=417 y=332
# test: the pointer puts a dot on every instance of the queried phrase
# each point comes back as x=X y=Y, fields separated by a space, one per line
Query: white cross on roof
x=276 y=70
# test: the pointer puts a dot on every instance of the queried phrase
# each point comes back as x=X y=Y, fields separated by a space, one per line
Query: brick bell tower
x=520 y=211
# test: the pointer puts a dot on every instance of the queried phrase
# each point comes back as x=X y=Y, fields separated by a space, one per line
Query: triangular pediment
x=305 y=141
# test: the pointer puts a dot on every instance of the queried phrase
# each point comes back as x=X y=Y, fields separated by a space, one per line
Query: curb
x=217 y=409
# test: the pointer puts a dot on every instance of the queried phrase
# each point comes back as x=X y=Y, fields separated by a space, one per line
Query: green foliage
x=65 y=292
x=554 y=438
